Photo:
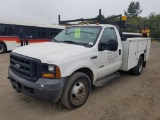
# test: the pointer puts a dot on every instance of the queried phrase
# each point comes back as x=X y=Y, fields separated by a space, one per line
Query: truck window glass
x=108 y=33
x=79 y=34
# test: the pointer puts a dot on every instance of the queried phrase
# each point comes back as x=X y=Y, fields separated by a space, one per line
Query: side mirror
x=111 y=45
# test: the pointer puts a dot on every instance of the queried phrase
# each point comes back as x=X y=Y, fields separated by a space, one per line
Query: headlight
x=50 y=71
x=51 y=68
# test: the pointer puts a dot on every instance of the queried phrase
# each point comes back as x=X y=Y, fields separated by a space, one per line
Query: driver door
x=109 y=61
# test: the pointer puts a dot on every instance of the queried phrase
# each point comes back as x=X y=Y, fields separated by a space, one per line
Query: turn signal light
x=48 y=75
x=58 y=72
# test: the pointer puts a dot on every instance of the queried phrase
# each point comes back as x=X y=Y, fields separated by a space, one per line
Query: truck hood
x=50 y=52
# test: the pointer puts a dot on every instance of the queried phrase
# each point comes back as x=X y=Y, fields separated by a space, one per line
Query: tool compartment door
x=132 y=57
x=142 y=45
x=129 y=54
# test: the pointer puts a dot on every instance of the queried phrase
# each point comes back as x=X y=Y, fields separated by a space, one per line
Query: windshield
x=80 y=35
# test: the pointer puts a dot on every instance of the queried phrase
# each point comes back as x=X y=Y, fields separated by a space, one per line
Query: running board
x=107 y=79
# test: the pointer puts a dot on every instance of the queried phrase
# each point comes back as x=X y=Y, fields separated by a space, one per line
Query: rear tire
x=76 y=90
x=139 y=68
x=2 y=48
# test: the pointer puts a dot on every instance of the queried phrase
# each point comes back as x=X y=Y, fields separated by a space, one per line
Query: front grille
x=25 y=67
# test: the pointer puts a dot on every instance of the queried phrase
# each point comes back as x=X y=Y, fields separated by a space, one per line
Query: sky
x=47 y=11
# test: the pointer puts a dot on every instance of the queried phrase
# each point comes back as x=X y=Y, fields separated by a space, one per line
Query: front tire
x=139 y=68
x=76 y=90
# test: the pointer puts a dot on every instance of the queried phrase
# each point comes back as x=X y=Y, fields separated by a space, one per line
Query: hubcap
x=78 y=92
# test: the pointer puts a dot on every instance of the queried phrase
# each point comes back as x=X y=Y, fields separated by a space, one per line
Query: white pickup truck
x=79 y=57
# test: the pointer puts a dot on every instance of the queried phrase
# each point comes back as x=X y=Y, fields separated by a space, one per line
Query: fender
x=68 y=68
x=139 y=54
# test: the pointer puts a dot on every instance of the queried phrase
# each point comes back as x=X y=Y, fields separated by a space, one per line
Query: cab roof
x=94 y=25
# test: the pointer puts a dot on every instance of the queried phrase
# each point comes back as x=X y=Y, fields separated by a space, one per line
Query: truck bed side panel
x=132 y=49
x=142 y=45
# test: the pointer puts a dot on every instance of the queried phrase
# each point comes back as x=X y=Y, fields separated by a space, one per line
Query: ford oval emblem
x=17 y=66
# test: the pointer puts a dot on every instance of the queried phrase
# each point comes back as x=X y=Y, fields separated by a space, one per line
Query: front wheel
x=76 y=90
x=139 y=68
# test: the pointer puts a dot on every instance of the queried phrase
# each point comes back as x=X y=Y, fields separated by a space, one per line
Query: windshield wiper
x=72 y=42
x=68 y=41
x=83 y=44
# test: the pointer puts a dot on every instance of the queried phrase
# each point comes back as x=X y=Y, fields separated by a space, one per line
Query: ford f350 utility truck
x=79 y=57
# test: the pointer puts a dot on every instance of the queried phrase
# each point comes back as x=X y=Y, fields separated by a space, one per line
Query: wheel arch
x=67 y=69
x=144 y=61
x=142 y=55
x=88 y=72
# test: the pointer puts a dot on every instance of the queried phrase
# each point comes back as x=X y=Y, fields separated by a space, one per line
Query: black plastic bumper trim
x=46 y=89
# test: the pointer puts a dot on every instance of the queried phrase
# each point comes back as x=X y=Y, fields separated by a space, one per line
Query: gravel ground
x=125 y=98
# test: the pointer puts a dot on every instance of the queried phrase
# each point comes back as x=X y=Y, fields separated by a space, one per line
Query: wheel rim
x=1 y=48
x=78 y=93
x=140 y=66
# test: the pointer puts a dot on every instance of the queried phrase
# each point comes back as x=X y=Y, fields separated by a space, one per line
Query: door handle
x=94 y=57
x=120 y=52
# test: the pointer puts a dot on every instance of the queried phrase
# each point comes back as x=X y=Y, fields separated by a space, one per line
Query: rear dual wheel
x=139 y=68
x=76 y=90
